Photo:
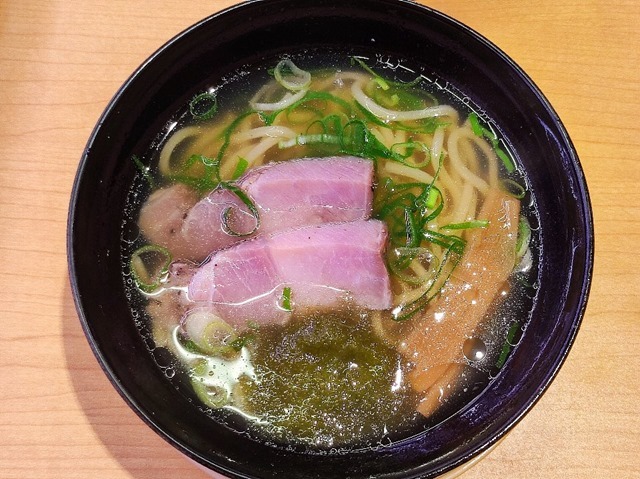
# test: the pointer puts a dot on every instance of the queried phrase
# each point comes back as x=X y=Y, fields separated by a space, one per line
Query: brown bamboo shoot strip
x=434 y=345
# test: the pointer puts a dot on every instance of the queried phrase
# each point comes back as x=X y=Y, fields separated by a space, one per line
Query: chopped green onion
x=216 y=339
x=432 y=195
x=241 y=341
x=508 y=345
x=506 y=159
x=286 y=299
x=412 y=228
x=490 y=135
x=409 y=149
x=513 y=188
x=241 y=167
x=452 y=242
x=360 y=141
x=159 y=259
x=407 y=209
x=382 y=81
x=290 y=76
x=438 y=209
x=401 y=259
x=206 y=179
x=144 y=170
x=475 y=124
x=309 y=96
x=190 y=346
x=377 y=78
x=432 y=198
x=212 y=396
x=406 y=201
x=309 y=140
x=466 y=225
x=203 y=106
x=248 y=202
x=229 y=130
x=449 y=262
x=352 y=138
x=524 y=237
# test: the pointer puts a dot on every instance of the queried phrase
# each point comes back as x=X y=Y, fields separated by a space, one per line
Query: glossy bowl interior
x=259 y=31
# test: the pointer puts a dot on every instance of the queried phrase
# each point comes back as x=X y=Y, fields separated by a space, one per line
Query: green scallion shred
x=401 y=98
x=144 y=171
x=513 y=188
x=377 y=78
x=199 y=172
x=466 y=225
x=300 y=140
x=149 y=281
x=409 y=148
x=407 y=208
x=384 y=83
x=241 y=341
x=289 y=76
x=412 y=228
x=450 y=242
x=228 y=131
x=475 y=124
x=309 y=97
x=432 y=198
x=524 y=237
x=241 y=167
x=286 y=299
x=212 y=396
x=216 y=338
x=352 y=137
x=400 y=259
x=508 y=345
x=506 y=159
x=190 y=346
x=483 y=131
x=203 y=106
x=438 y=208
x=448 y=263
x=247 y=201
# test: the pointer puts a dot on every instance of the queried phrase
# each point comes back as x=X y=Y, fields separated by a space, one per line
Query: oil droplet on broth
x=474 y=349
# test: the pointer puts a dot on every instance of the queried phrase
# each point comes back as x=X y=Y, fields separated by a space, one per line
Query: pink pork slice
x=287 y=194
x=311 y=191
x=323 y=265
x=162 y=218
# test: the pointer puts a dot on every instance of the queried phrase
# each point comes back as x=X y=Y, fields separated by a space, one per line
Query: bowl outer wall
x=435 y=44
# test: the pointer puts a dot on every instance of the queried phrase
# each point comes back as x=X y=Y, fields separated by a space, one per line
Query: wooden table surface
x=60 y=63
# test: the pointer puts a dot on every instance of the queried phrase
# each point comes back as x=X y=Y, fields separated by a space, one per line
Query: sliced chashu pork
x=322 y=265
x=287 y=194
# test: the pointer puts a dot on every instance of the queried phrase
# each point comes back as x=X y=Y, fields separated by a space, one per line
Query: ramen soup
x=337 y=259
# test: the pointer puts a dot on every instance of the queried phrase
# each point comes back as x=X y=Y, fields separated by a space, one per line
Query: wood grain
x=60 y=63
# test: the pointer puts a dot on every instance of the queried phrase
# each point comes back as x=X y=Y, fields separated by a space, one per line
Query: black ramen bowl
x=259 y=32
